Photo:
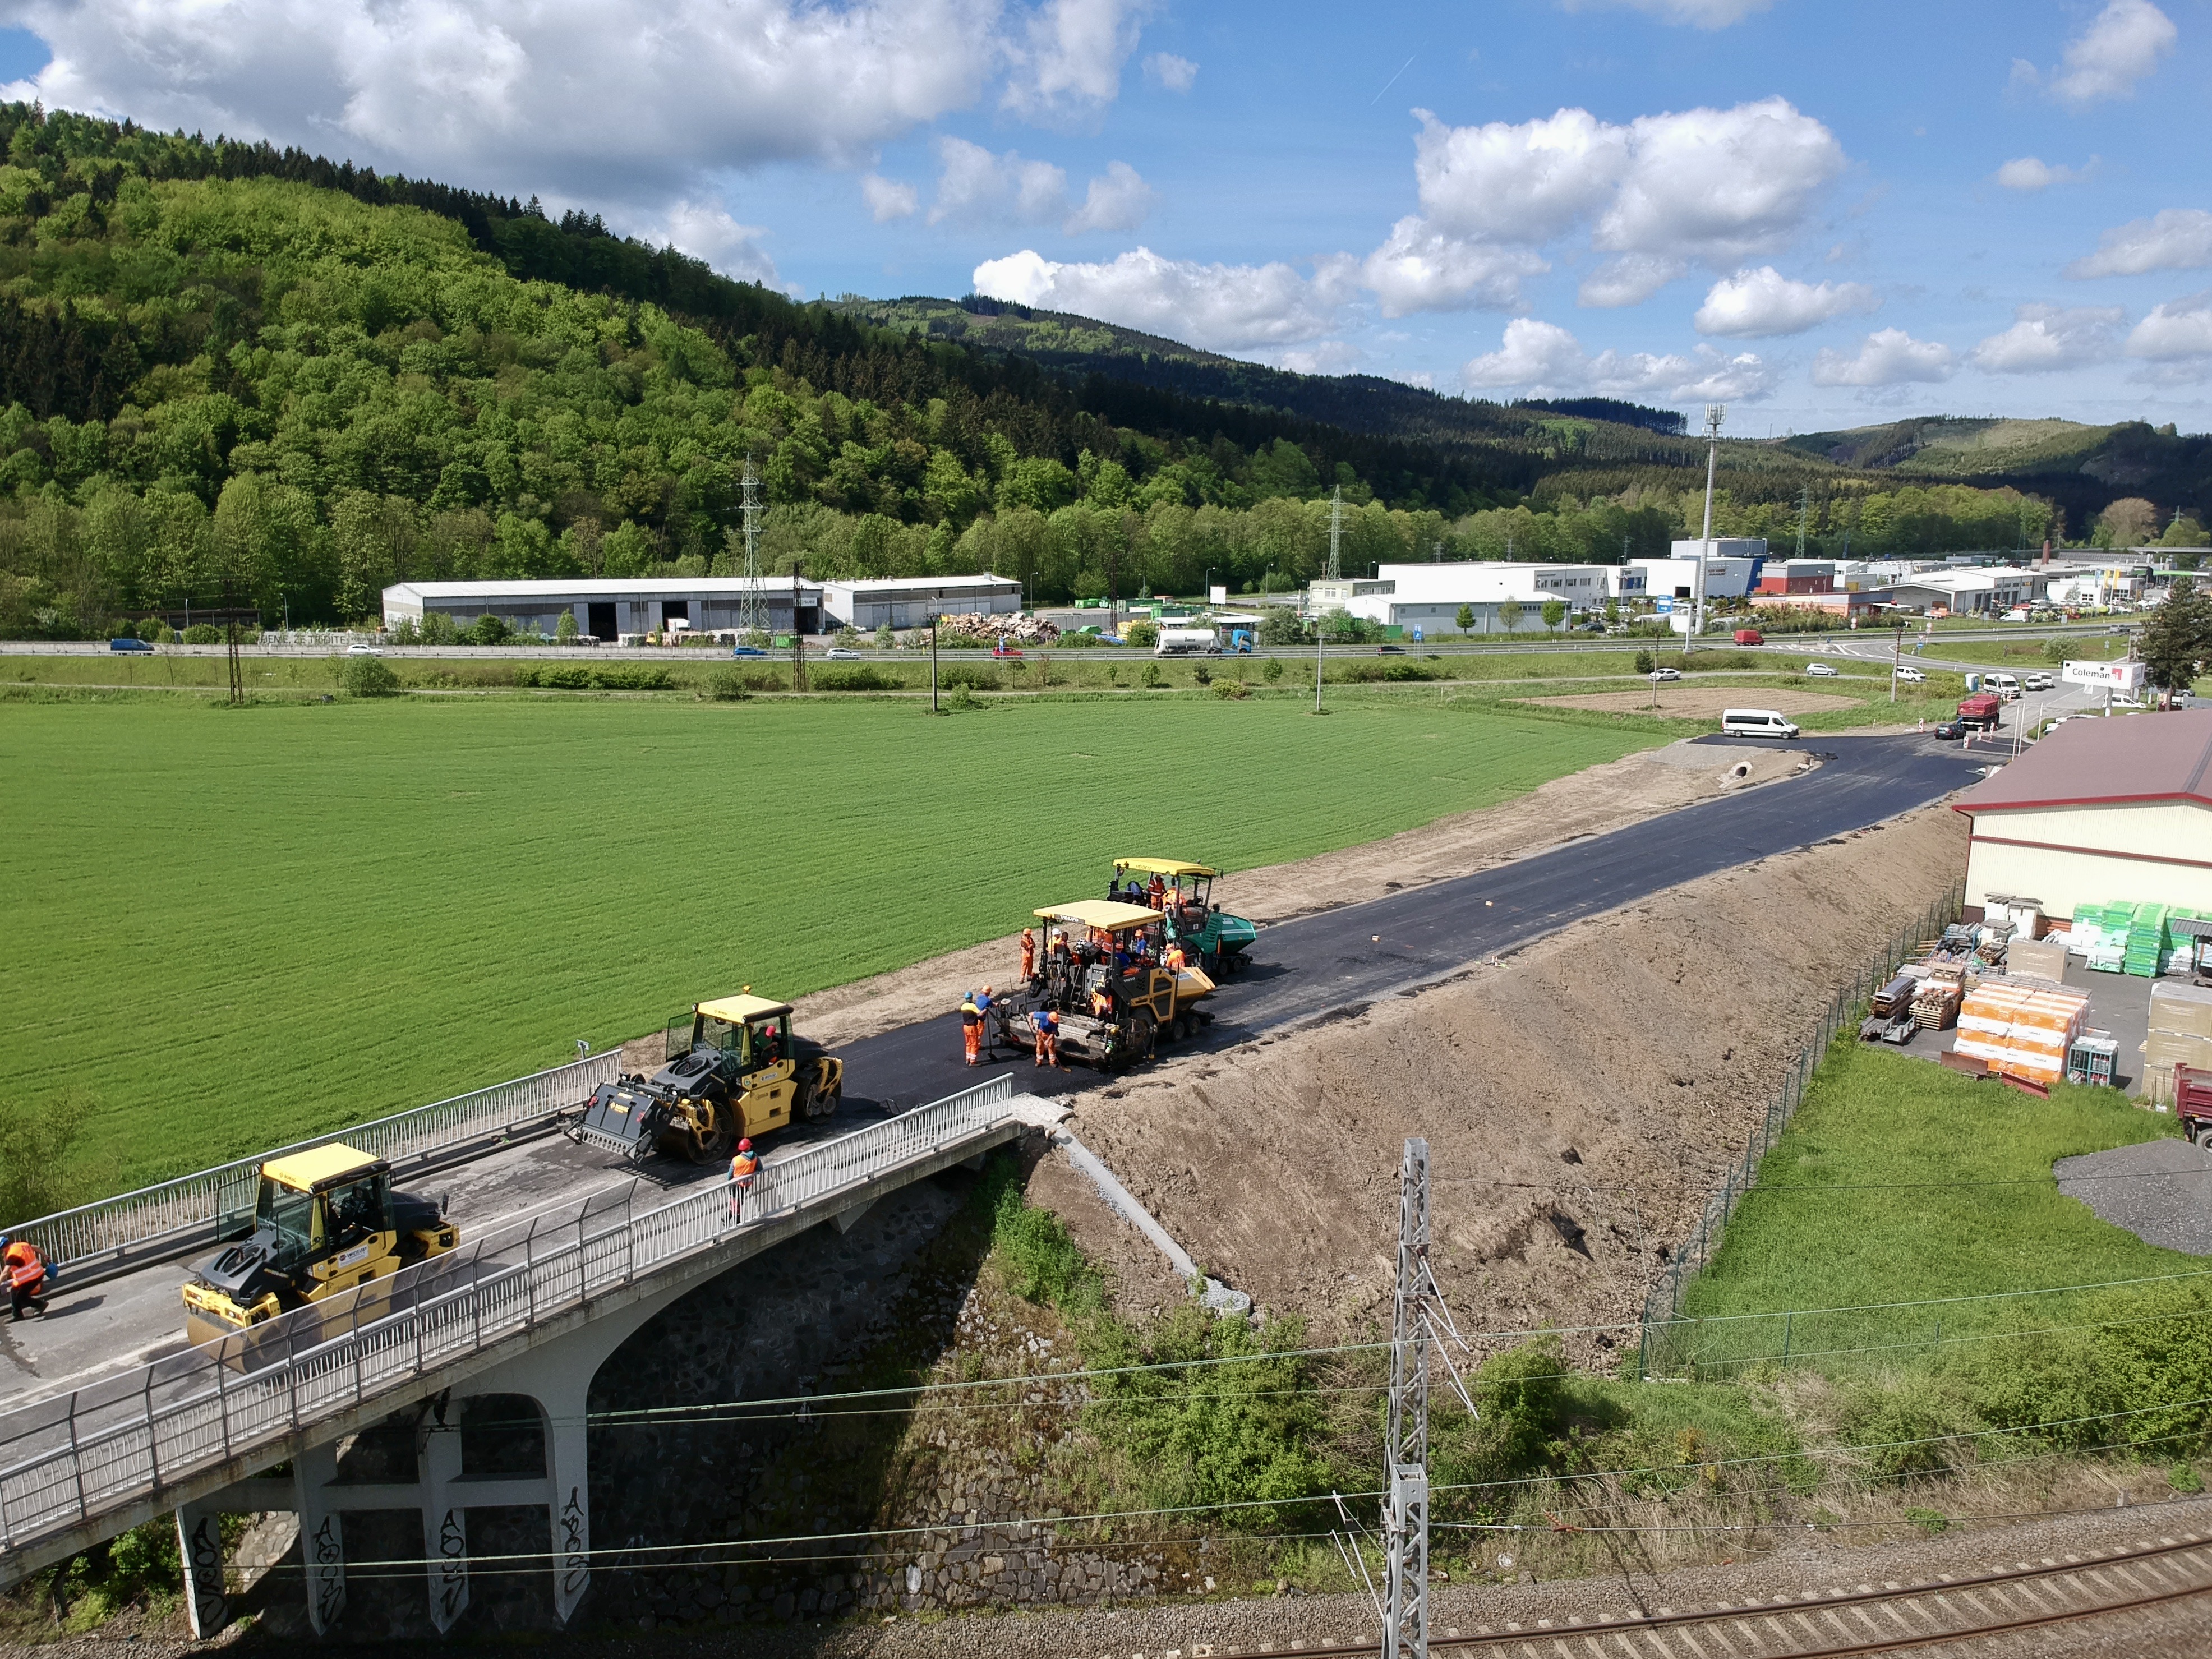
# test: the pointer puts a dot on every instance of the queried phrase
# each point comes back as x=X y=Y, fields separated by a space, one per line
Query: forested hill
x=225 y=367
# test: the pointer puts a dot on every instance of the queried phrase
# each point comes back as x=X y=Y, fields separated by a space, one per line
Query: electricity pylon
x=752 y=598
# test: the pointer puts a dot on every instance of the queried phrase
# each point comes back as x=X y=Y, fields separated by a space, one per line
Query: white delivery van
x=1755 y=723
x=2006 y=686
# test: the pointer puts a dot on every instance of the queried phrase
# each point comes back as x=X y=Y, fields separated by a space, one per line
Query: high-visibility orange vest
x=744 y=1166
x=24 y=1266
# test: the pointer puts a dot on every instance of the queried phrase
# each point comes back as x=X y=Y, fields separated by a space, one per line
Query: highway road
x=1316 y=965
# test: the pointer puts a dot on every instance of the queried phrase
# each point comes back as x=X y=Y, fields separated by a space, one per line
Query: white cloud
x=977 y=186
x=1754 y=303
x=2029 y=174
x=887 y=199
x=1421 y=269
x=1164 y=69
x=2120 y=48
x=1627 y=280
x=1222 y=307
x=1889 y=356
x=2046 y=338
x=1069 y=60
x=707 y=231
x=2176 y=332
x=1719 y=185
x=1323 y=357
x=1703 y=184
x=575 y=100
x=1704 y=14
x=2178 y=239
x=1118 y=201
x=1544 y=360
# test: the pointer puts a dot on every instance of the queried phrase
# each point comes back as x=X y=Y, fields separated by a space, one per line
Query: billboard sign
x=2105 y=675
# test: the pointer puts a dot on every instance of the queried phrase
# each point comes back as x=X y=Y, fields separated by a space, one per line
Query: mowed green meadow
x=226 y=929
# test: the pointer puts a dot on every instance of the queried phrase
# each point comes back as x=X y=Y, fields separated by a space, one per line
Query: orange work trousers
x=971 y=1037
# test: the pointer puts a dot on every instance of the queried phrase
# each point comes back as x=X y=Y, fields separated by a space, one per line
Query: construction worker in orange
x=971 y=1028
x=1048 y=1037
x=1029 y=955
x=26 y=1275
x=744 y=1167
x=1175 y=961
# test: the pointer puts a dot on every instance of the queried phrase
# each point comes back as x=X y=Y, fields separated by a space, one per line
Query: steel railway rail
x=1837 y=1625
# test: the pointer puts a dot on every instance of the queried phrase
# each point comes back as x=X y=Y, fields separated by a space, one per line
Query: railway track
x=1837 y=1624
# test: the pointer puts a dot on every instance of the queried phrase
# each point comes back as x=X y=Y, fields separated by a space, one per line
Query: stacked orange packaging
x=2021 y=1031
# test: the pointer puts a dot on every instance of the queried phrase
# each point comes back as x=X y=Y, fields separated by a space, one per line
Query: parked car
x=2038 y=682
x=1822 y=670
x=126 y=643
x=1952 y=731
x=840 y=654
x=1911 y=676
x=1666 y=673
x=747 y=651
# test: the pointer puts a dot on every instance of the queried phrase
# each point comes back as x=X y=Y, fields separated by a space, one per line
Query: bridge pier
x=555 y=1376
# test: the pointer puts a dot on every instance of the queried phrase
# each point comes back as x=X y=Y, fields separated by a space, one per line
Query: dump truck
x=325 y=1221
x=1216 y=941
x=1984 y=709
x=1103 y=972
x=733 y=1068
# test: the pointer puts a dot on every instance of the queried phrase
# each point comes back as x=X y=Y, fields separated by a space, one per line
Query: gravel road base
x=2163 y=1194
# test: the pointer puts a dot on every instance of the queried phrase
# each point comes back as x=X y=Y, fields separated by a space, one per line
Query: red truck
x=2192 y=1101
x=1980 y=710
x=1749 y=636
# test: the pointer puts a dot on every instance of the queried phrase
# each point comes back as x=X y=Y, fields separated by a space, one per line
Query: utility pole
x=1336 y=532
x=1896 y=657
x=1715 y=413
x=797 y=639
x=752 y=598
x=1318 y=650
x=1804 y=511
x=933 y=707
x=1405 y=1542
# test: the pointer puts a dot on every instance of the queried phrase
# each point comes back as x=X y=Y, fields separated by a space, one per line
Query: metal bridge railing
x=72 y=1458
x=172 y=1215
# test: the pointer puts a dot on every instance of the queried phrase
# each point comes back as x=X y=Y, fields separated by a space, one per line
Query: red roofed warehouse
x=2100 y=810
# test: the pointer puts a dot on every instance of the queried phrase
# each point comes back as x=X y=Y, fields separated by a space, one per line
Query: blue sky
x=1822 y=215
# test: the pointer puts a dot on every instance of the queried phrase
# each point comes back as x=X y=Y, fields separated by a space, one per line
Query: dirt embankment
x=1586 y=802
x=1580 y=1099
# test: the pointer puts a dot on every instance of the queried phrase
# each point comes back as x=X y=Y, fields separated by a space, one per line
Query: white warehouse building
x=606 y=608
x=910 y=602
x=1429 y=596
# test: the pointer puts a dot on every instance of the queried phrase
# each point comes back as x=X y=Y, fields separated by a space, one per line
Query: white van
x=1755 y=723
x=2006 y=686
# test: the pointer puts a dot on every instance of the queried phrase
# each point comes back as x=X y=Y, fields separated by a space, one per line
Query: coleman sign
x=2109 y=676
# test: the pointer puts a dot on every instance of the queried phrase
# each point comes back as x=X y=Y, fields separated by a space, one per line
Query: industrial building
x=608 y=608
x=910 y=602
x=1429 y=596
x=2099 y=811
x=1968 y=592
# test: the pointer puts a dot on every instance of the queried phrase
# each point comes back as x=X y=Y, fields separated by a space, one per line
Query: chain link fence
x=1673 y=1346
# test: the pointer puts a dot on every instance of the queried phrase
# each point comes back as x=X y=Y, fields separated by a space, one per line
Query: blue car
x=747 y=651
x=128 y=645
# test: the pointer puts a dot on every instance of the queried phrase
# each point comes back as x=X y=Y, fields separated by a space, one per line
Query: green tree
x=1646 y=663
x=1555 y=612
x=1279 y=625
x=1464 y=619
x=565 y=631
x=2175 y=642
x=1144 y=633
x=2128 y=522
x=1508 y=615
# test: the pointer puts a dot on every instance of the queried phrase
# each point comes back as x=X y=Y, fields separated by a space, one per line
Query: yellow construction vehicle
x=733 y=1068
x=1104 y=972
x=325 y=1220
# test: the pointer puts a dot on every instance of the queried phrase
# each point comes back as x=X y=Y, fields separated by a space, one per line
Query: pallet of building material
x=2164 y=1050
x=1893 y=996
x=2038 y=958
x=2183 y=1010
x=1936 y=1007
x=2146 y=938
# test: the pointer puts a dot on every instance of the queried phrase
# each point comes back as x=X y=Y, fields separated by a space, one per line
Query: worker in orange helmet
x=26 y=1275
x=1175 y=961
x=744 y=1167
x=971 y=1030
x=1029 y=956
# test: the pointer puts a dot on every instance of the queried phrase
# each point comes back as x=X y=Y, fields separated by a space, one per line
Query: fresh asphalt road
x=1329 y=962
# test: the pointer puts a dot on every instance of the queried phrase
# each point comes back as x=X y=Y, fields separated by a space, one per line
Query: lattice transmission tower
x=752 y=598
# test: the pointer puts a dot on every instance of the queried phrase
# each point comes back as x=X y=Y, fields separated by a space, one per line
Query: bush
x=1143 y=634
x=1202 y=674
x=1646 y=663
x=976 y=676
x=1281 y=626
x=1274 y=671
x=438 y=628
x=1229 y=691
x=1076 y=641
x=728 y=685
x=203 y=634
x=35 y=1143
x=594 y=676
x=368 y=676
x=489 y=629
x=565 y=631
x=1152 y=676
x=852 y=677
x=631 y=676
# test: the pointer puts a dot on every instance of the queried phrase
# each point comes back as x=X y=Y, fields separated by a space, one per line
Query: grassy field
x=227 y=928
x=1900 y=1183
